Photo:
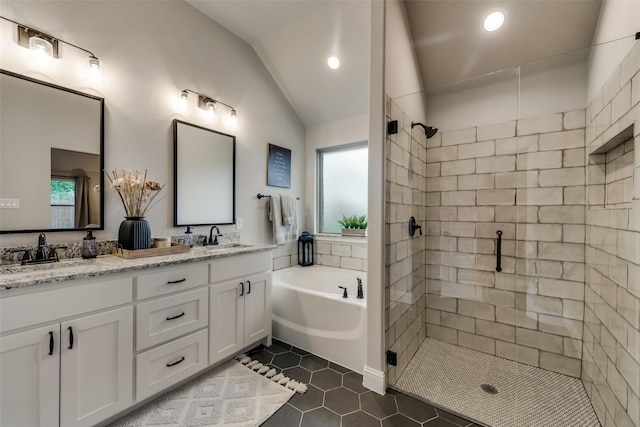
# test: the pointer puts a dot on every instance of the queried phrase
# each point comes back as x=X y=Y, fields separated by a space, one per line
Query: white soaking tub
x=310 y=313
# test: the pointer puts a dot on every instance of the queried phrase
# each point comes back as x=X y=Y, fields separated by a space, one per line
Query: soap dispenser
x=89 y=246
x=188 y=237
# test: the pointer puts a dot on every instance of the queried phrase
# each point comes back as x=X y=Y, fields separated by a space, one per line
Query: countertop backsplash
x=13 y=255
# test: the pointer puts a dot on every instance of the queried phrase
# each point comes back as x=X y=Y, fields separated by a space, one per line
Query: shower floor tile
x=450 y=376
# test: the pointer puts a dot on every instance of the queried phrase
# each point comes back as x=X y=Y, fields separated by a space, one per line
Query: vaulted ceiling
x=293 y=38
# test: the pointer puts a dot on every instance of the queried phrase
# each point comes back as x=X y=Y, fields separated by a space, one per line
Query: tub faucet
x=344 y=295
x=213 y=239
x=360 y=292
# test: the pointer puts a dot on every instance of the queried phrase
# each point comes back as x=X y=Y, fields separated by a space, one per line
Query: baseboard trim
x=374 y=380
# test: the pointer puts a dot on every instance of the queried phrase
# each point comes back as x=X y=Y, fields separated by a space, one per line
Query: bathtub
x=310 y=313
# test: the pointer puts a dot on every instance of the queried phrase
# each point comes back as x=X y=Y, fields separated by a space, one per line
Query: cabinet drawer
x=166 y=318
x=46 y=306
x=172 y=279
x=240 y=266
x=168 y=364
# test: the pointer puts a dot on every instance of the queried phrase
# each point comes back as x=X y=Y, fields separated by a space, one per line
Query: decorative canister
x=135 y=233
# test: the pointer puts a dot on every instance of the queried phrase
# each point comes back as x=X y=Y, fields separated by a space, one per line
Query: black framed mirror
x=204 y=176
x=51 y=157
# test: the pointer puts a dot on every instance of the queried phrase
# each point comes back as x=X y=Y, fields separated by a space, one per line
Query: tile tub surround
x=611 y=345
x=329 y=250
x=32 y=275
x=405 y=184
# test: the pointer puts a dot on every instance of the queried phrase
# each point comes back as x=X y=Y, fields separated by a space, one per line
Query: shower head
x=428 y=130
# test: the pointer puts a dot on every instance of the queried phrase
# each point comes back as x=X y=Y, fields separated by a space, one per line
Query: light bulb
x=494 y=20
x=333 y=62
x=233 y=118
x=182 y=101
x=211 y=108
x=93 y=72
x=40 y=53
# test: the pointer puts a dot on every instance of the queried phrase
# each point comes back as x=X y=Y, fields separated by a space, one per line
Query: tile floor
x=337 y=398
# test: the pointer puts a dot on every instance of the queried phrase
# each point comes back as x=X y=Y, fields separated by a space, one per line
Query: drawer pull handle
x=176 y=317
x=70 y=338
x=173 y=282
x=176 y=362
x=249 y=283
x=50 y=343
x=241 y=289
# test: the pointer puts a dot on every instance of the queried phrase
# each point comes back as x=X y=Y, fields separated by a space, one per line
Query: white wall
x=341 y=132
x=151 y=50
x=618 y=19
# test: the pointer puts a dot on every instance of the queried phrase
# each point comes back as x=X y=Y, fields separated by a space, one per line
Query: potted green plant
x=354 y=226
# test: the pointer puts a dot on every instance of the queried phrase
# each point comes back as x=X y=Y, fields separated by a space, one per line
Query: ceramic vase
x=135 y=233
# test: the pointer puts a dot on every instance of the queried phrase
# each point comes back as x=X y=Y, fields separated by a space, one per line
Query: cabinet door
x=226 y=320
x=96 y=378
x=257 y=308
x=29 y=378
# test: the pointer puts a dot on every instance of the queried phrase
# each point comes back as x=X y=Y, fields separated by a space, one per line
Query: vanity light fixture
x=210 y=105
x=43 y=48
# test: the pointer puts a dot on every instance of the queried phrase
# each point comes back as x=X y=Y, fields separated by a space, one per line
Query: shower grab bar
x=499 y=251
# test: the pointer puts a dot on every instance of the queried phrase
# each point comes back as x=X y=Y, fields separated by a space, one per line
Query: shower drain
x=488 y=388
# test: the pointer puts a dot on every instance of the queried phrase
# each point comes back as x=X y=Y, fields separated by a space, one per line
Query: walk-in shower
x=552 y=337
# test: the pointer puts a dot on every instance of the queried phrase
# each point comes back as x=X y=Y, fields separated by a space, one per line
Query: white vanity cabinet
x=240 y=304
x=76 y=370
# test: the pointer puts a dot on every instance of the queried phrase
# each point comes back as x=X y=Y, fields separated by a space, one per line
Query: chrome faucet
x=213 y=238
x=360 y=292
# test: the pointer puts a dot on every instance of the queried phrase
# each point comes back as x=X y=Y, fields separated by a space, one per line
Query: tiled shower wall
x=527 y=179
x=331 y=252
x=405 y=188
x=611 y=363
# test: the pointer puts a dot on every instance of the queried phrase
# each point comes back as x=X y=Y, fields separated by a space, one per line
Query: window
x=342 y=181
x=63 y=202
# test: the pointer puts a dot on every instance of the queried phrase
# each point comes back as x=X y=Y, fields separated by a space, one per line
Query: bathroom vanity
x=82 y=341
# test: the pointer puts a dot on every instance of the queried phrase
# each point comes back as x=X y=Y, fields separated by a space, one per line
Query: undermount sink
x=34 y=267
x=228 y=246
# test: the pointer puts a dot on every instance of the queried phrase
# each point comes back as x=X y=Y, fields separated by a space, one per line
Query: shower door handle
x=499 y=251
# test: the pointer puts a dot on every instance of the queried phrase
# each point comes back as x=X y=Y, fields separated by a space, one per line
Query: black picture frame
x=278 y=166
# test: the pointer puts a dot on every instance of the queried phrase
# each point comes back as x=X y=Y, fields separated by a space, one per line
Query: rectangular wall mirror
x=51 y=157
x=204 y=173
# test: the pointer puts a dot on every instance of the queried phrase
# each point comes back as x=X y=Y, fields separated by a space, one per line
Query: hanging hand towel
x=281 y=233
x=288 y=209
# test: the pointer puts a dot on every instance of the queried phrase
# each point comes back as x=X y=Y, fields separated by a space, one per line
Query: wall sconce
x=43 y=48
x=210 y=105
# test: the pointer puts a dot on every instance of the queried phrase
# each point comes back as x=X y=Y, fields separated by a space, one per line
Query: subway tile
x=456 y=321
x=561 y=289
x=540 y=232
x=442 y=333
x=443 y=304
x=562 y=364
x=560 y=326
x=477 y=342
x=572 y=348
x=496 y=164
x=495 y=197
x=617 y=383
x=540 y=124
x=458 y=198
x=496 y=330
x=519 y=318
x=475 y=277
x=460 y=136
x=575 y=195
x=540 y=160
x=539 y=340
x=562 y=214
x=476 y=181
x=477 y=149
x=476 y=246
x=561 y=251
x=538 y=304
x=495 y=131
x=629 y=368
x=446 y=183
x=479 y=213
x=516 y=283
x=458 y=167
x=574 y=157
x=562 y=140
x=442 y=154
x=572 y=309
x=476 y=309
x=567 y=177
x=540 y=196
x=497 y=297
x=519 y=353
x=574 y=120
x=522 y=179
x=518 y=145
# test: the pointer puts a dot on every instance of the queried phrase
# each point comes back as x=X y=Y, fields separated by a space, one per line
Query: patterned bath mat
x=232 y=394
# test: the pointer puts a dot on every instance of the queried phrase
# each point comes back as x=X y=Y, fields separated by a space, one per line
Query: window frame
x=319 y=176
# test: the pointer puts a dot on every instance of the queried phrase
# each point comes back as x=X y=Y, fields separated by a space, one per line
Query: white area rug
x=230 y=395
x=450 y=376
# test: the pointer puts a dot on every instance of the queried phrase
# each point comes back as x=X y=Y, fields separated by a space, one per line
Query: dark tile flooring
x=337 y=398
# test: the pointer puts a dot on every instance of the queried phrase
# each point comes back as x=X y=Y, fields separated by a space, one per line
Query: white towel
x=288 y=209
x=281 y=233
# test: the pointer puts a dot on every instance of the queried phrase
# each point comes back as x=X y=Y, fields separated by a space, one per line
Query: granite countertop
x=17 y=276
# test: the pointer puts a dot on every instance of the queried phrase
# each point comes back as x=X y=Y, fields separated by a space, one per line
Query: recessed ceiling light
x=494 y=20
x=333 y=63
